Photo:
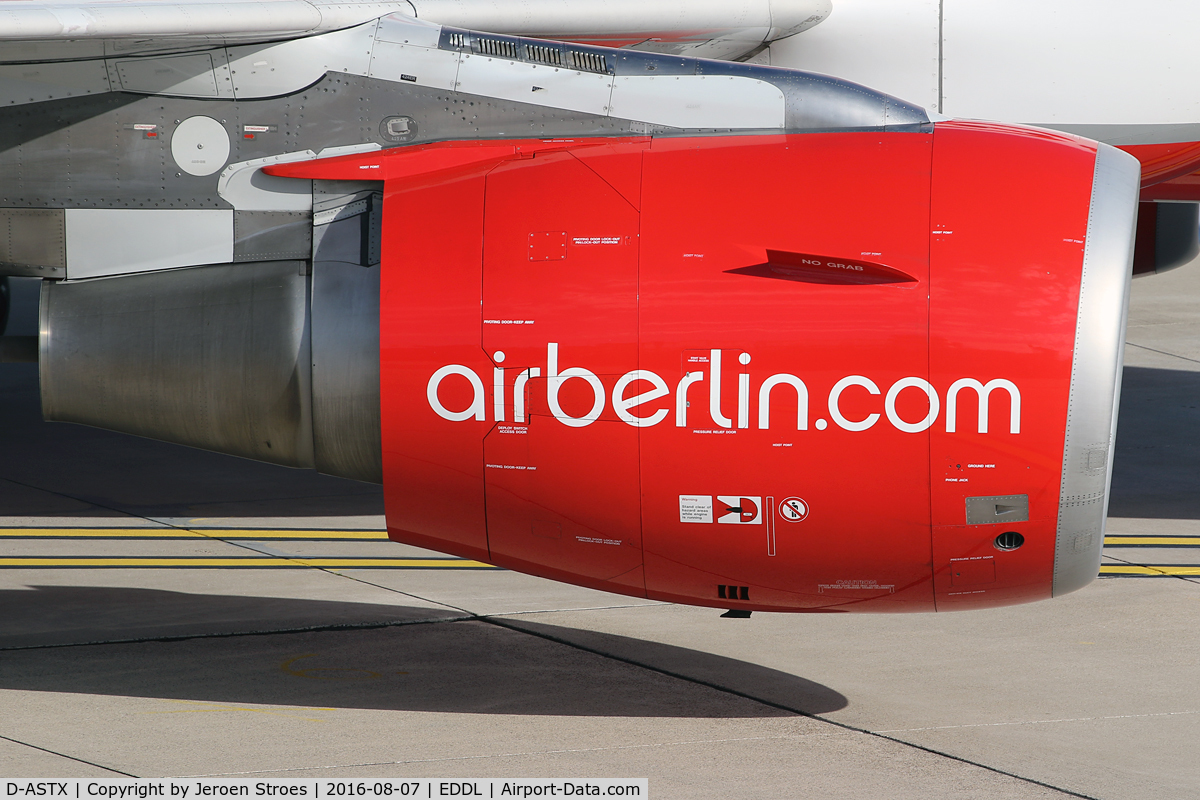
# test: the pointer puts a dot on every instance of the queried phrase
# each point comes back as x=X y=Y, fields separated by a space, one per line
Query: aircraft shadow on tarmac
x=1156 y=468
x=61 y=470
x=58 y=469
x=465 y=666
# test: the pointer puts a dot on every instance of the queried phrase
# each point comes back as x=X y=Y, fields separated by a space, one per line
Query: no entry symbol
x=793 y=509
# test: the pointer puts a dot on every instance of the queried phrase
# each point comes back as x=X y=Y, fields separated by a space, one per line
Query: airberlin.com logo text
x=640 y=387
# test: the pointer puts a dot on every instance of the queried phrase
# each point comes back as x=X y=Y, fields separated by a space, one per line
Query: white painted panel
x=348 y=149
x=399 y=29
x=247 y=188
x=623 y=19
x=187 y=76
x=33 y=83
x=278 y=69
x=116 y=241
x=1071 y=61
x=200 y=145
x=84 y=19
x=437 y=69
x=889 y=45
x=556 y=87
x=699 y=101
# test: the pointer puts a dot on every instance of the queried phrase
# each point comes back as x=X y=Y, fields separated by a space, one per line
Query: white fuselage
x=1121 y=73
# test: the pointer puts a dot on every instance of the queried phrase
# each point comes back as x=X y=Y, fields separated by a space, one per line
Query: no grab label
x=793 y=509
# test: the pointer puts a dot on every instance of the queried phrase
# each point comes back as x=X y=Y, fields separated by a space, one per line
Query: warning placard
x=739 y=510
x=695 y=508
x=793 y=509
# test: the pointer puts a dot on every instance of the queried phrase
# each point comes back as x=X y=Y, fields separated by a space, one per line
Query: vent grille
x=529 y=50
x=589 y=62
x=543 y=55
x=726 y=592
x=496 y=47
x=1009 y=540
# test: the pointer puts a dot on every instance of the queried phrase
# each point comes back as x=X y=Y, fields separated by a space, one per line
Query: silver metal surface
x=687 y=93
x=698 y=101
x=345 y=371
x=345 y=328
x=33 y=242
x=30 y=83
x=352 y=209
x=347 y=222
x=402 y=29
x=102 y=241
x=540 y=84
x=287 y=67
x=214 y=357
x=422 y=66
x=998 y=509
x=185 y=75
x=271 y=235
x=1096 y=370
x=26 y=271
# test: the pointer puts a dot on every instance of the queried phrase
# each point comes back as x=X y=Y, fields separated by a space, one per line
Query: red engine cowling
x=820 y=372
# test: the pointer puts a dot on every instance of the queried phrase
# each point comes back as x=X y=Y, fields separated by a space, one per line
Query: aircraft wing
x=41 y=30
x=696 y=28
x=92 y=21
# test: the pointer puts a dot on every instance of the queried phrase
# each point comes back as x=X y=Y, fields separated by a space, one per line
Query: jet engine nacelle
x=854 y=371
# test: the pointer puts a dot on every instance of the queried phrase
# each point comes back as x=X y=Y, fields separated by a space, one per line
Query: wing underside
x=50 y=30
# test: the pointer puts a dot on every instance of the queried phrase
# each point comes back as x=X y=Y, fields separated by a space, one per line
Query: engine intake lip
x=1096 y=369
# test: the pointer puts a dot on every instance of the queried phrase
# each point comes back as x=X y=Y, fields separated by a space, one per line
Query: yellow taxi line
x=367 y=535
x=201 y=562
x=1172 y=541
x=253 y=562
x=1154 y=570
x=192 y=533
x=377 y=536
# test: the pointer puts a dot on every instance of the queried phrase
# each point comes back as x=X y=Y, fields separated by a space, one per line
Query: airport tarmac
x=169 y=612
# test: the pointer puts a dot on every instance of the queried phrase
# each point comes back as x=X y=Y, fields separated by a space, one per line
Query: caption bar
x=192 y=788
